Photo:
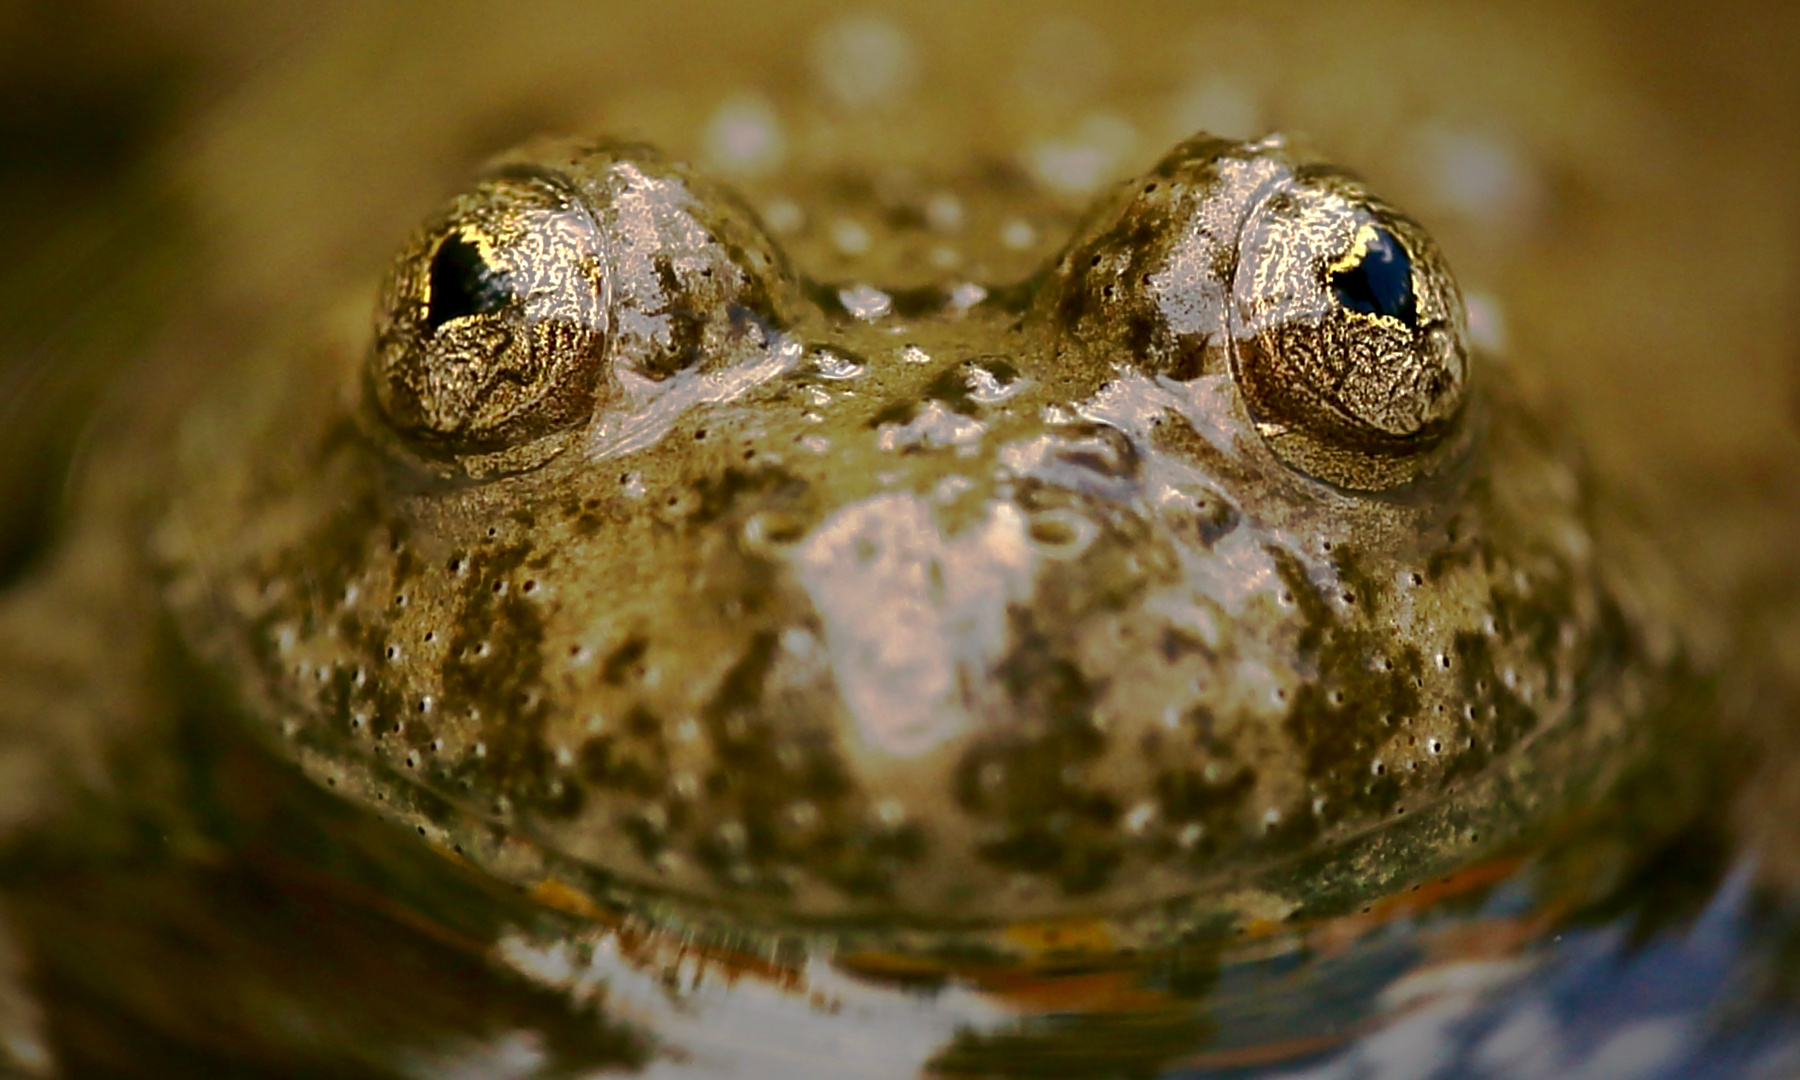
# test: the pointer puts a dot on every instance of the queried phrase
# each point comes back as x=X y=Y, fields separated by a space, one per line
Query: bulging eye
x=495 y=322
x=577 y=278
x=1348 y=333
x=1334 y=313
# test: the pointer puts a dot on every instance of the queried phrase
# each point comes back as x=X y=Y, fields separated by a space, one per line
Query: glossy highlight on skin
x=630 y=556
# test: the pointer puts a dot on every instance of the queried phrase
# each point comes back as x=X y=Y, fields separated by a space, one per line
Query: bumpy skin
x=629 y=555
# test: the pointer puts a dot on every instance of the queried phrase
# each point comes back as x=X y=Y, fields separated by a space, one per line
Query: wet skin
x=1202 y=569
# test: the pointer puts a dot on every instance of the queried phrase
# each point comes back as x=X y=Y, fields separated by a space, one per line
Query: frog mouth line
x=1286 y=888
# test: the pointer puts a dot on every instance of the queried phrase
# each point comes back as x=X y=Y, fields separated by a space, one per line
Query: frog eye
x=1332 y=312
x=494 y=322
x=1347 y=331
x=578 y=281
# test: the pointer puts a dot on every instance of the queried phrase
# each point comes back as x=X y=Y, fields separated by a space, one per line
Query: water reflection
x=247 y=920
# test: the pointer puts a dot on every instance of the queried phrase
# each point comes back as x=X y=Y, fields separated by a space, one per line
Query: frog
x=1203 y=571
x=993 y=597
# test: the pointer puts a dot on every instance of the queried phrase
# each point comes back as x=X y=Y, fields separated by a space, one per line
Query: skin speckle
x=736 y=570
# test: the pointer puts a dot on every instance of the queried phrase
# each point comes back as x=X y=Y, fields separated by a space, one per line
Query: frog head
x=631 y=550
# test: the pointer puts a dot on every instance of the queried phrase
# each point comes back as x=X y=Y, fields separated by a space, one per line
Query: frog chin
x=914 y=619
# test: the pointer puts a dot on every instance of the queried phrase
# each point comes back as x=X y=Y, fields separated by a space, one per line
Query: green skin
x=1174 y=582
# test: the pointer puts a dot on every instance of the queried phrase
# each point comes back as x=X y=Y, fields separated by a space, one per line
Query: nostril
x=1061 y=533
x=1087 y=459
x=1100 y=448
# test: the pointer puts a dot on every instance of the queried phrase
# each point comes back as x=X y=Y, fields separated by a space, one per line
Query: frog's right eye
x=578 y=278
x=495 y=322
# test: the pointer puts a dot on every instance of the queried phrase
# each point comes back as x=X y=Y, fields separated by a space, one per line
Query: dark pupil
x=1381 y=284
x=462 y=283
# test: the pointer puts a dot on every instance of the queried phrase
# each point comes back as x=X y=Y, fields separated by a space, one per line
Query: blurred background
x=1614 y=182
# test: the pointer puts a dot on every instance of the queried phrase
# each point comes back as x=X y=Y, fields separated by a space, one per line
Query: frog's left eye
x=1347 y=333
x=1332 y=311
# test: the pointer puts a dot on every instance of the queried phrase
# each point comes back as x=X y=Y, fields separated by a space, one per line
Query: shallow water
x=1615 y=192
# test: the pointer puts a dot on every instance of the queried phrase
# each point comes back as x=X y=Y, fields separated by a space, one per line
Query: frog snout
x=922 y=598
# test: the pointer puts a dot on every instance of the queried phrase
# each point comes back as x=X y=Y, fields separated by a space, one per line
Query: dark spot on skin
x=898 y=412
x=824 y=296
x=1176 y=644
x=686 y=328
x=951 y=388
x=1186 y=357
x=754 y=303
x=1187 y=797
x=1014 y=298
x=504 y=680
x=753 y=318
x=1336 y=718
x=406 y=566
x=623 y=660
x=1176 y=436
x=1142 y=328
x=634 y=759
x=561 y=800
x=1205 y=726
x=1052 y=824
x=1208 y=519
x=767 y=758
x=649 y=837
x=905 y=217
x=1462 y=548
x=1217 y=521
x=1002 y=370
x=919 y=301
x=725 y=493
x=1072 y=304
